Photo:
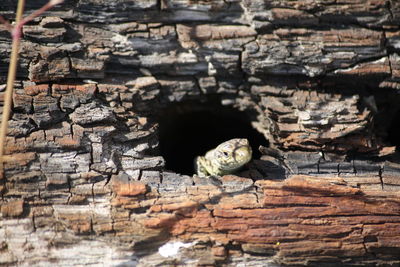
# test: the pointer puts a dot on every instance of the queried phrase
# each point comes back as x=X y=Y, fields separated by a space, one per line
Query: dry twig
x=16 y=37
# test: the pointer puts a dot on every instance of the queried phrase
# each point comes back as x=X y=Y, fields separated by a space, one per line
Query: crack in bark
x=69 y=188
x=381 y=178
x=389 y=8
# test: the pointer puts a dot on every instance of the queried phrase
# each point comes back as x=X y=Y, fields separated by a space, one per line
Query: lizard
x=226 y=158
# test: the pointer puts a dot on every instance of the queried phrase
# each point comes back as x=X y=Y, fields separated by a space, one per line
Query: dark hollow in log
x=191 y=128
x=393 y=134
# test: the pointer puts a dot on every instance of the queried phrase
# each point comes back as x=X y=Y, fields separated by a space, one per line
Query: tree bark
x=87 y=183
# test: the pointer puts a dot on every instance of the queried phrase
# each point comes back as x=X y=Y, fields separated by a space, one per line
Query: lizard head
x=233 y=154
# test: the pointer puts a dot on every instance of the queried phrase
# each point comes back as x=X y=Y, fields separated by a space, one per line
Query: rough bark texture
x=85 y=182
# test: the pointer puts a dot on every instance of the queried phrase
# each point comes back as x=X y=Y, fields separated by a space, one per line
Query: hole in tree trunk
x=394 y=131
x=387 y=121
x=190 y=129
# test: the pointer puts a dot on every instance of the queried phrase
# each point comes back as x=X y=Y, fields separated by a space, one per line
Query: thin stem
x=12 y=70
x=36 y=13
x=16 y=32
x=16 y=37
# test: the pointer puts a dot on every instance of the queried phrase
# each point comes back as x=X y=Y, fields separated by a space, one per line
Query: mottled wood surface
x=84 y=180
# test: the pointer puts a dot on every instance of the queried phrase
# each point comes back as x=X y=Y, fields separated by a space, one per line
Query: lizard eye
x=225 y=153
